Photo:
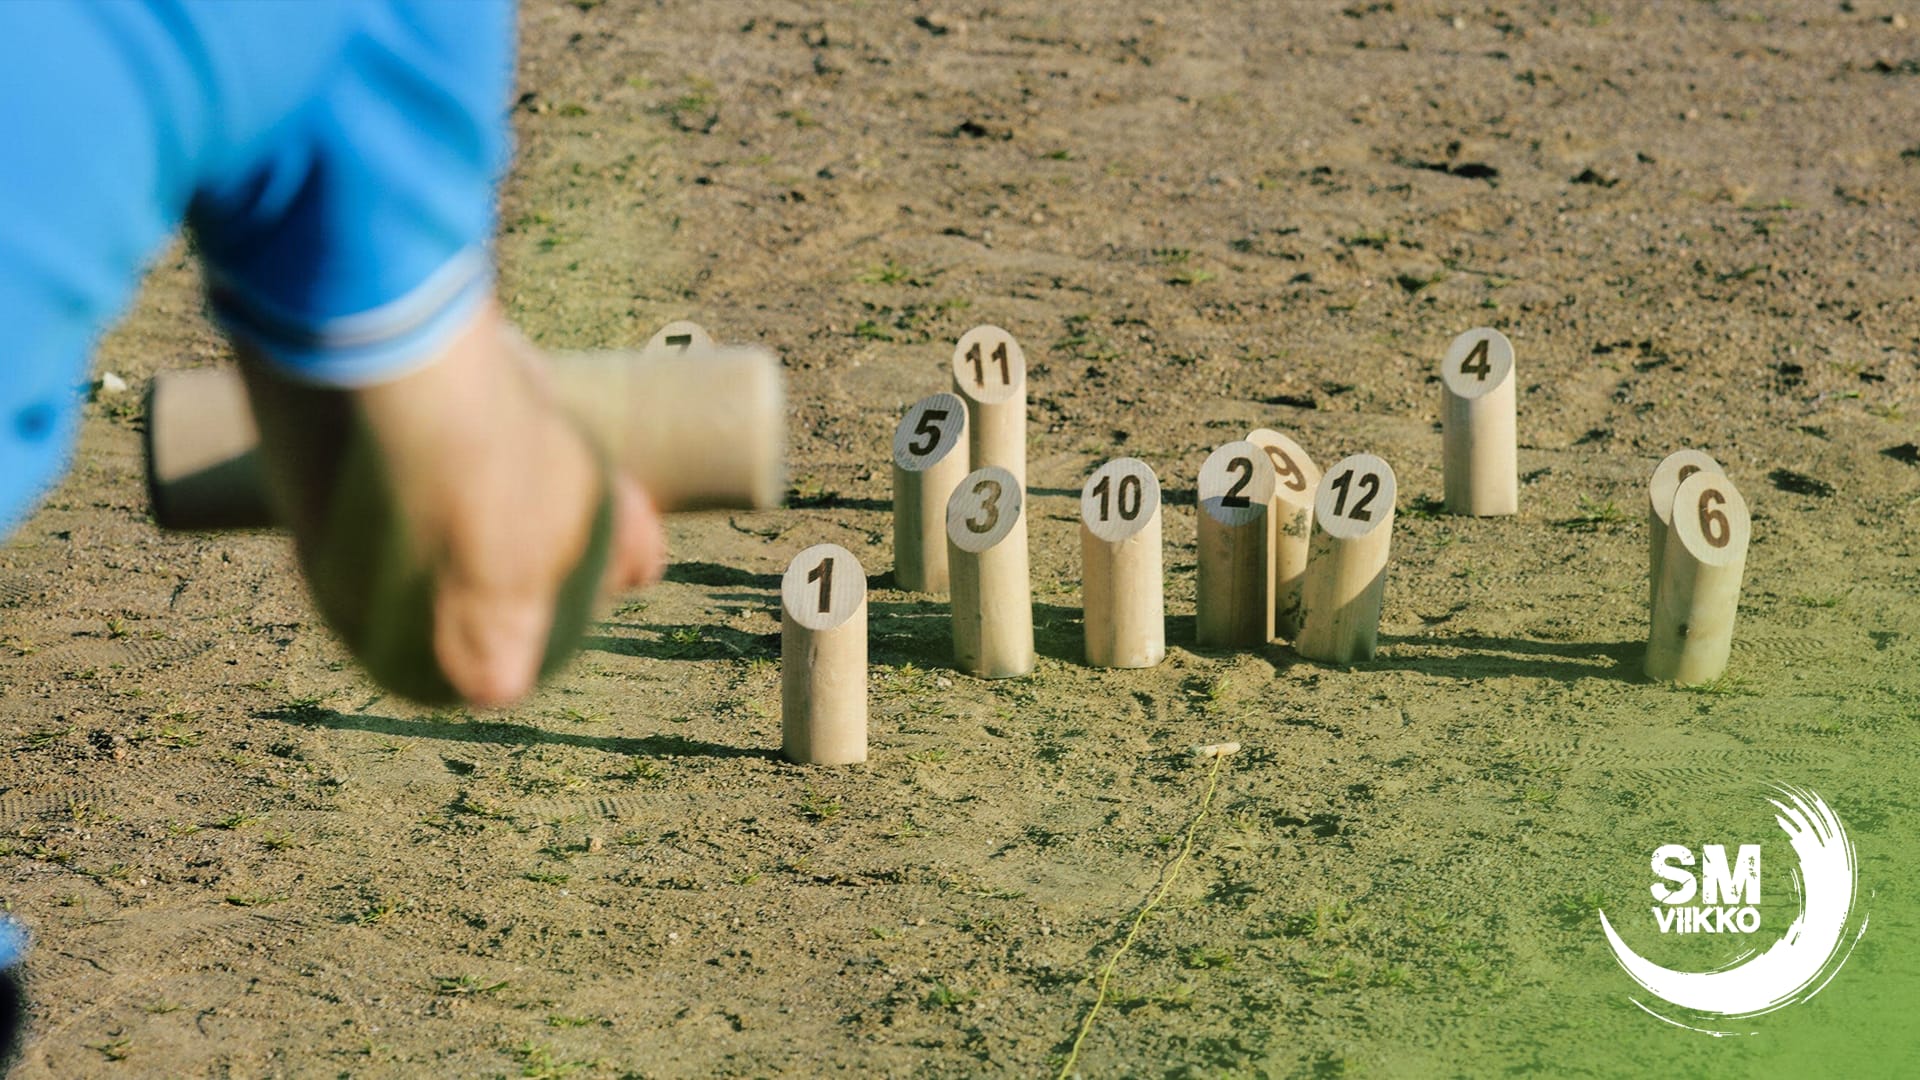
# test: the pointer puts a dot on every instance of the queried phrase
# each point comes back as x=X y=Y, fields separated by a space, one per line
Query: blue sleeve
x=337 y=160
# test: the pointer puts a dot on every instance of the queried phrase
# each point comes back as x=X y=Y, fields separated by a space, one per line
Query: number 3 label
x=983 y=509
x=933 y=426
x=1355 y=497
x=823 y=587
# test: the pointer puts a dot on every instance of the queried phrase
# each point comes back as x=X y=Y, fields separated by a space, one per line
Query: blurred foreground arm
x=453 y=525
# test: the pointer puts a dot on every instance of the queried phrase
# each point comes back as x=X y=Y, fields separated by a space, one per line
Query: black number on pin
x=979 y=364
x=824 y=575
x=1233 y=498
x=928 y=426
x=1128 y=483
x=1476 y=364
x=1369 y=490
x=989 y=507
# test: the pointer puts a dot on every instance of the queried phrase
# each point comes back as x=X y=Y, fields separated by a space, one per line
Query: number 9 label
x=823 y=587
x=983 y=509
x=1119 y=499
x=933 y=426
x=1355 y=497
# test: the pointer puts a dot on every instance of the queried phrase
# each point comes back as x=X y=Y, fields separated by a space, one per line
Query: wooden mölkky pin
x=1296 y=476
x=1125 y=615
x=1347 y=568
x=991 y=596
x=1699 y=591
x=1234 y=601
x=679 y=338
x=695 y=435
x=929 y=461
x=823 y=658
x=1667 y=476
x=990 y=372
x=1477 y=425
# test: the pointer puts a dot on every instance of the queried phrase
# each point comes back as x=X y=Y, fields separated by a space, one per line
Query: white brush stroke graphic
x=1782 y=974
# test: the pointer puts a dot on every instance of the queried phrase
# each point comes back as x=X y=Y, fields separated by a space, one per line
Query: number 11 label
x=988 y=365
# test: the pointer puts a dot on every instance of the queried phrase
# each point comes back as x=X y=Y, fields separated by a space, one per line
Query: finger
x=488 y=646
x=639 y=539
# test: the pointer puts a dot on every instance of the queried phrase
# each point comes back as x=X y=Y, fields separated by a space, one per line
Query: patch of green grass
x=539 y=1062
x=1206 y=958
x=945 y=996
x=868 y=330
x=115 y=1050
x=1574 y=910
x=465 y=986
x=42 y=738
x=547 y=877
x=817 y=809
x=254 y=899
x=1191 y=276
x=239 y=819
x=1594 y=515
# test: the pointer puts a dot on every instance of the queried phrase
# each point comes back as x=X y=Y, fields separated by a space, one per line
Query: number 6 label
x=1355 y=497
x=1710 y=519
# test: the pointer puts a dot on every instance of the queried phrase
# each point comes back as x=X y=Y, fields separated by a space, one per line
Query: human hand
x=447 y=519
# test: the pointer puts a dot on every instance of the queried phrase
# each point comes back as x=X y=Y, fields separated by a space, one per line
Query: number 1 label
x=823 y=586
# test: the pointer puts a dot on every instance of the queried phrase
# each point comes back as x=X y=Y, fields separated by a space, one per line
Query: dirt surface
x=1696 y=221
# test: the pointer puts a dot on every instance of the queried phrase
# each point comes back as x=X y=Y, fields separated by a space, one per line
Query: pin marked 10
x=1124 y=617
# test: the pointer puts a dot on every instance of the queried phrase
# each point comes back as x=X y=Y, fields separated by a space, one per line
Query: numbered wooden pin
x=1667 y=477
x=1347 y=567
x=990 y=372
x=1125 y=616
x=823 y=658
x=1699 y=590
x=929 y=461
x=679 y=338
x=1477 y=425
x=987 y=563
x=1295 y=477
x=1234 y=605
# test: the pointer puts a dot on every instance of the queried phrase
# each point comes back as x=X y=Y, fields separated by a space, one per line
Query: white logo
x=1798 y=965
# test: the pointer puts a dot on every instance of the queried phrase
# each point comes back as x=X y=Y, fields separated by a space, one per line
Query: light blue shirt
x=335 y=159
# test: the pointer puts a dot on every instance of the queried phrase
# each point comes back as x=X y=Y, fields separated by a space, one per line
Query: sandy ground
x=1695 y=221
